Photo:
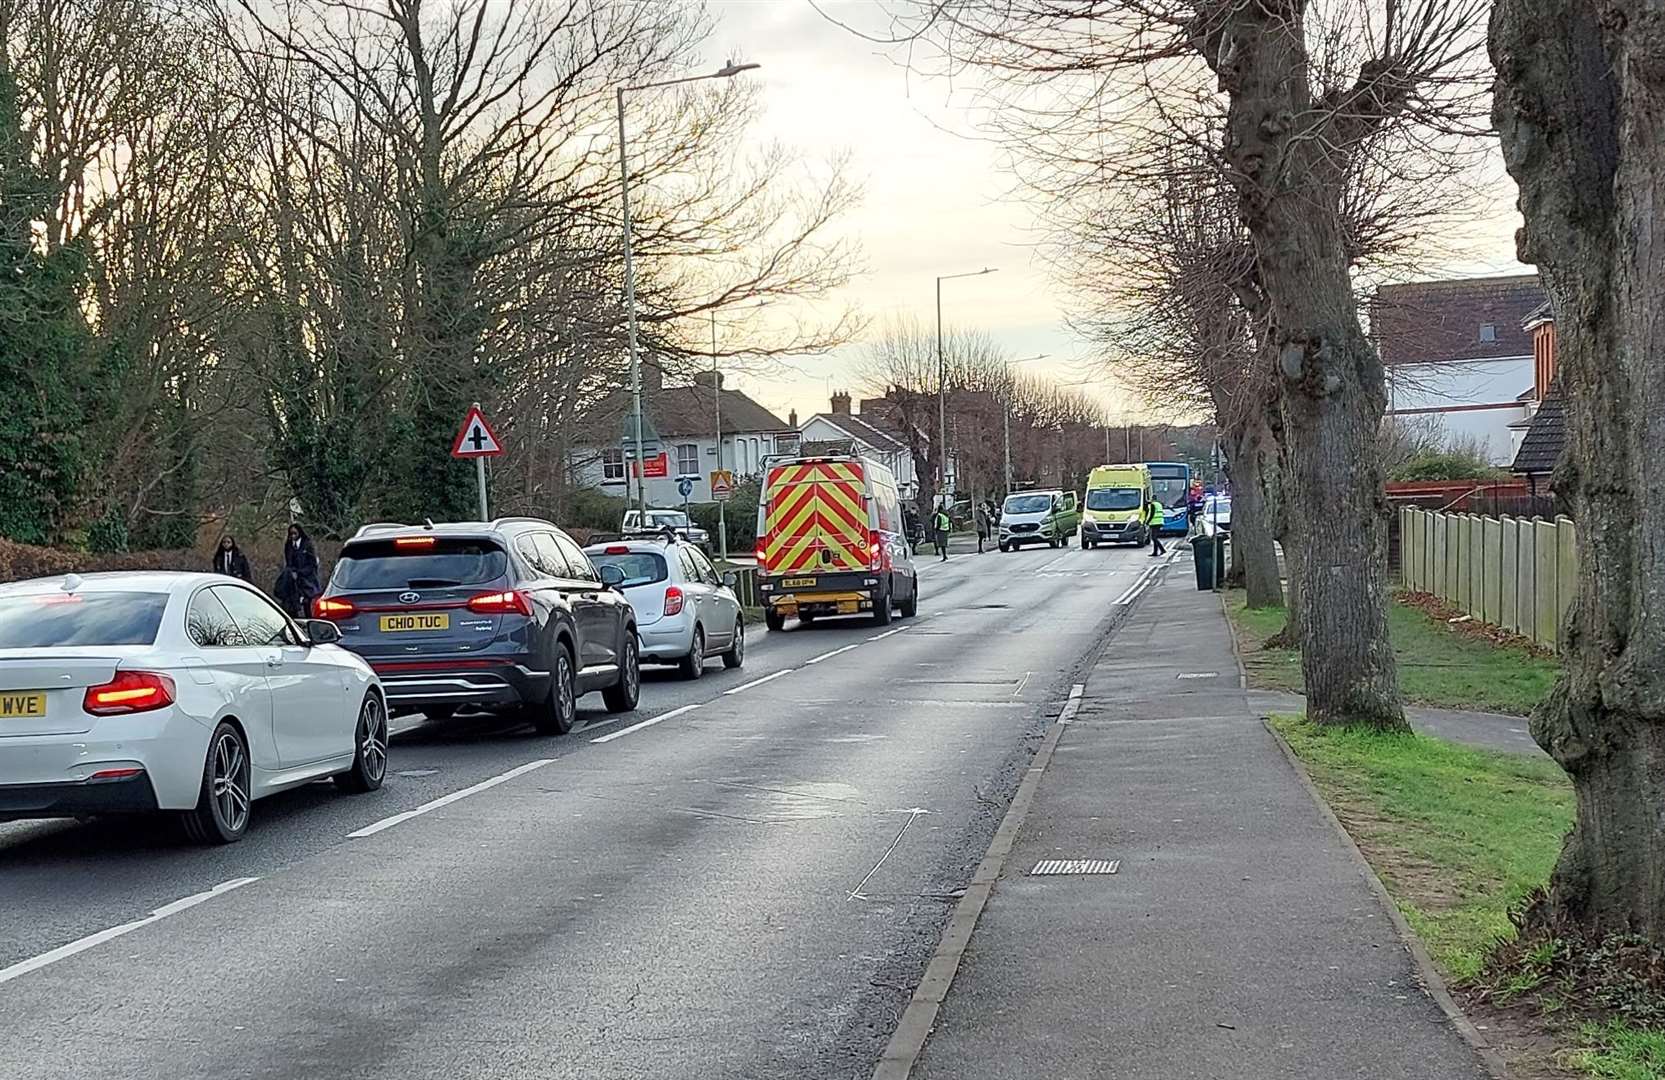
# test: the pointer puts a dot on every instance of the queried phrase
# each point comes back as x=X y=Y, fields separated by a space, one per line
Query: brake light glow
x=333 y=609
x=129 y=692
x=509 y=602
x=413 y=542
x=115 y=774
x=673 y=601
x=618 y=549
x=762 y=563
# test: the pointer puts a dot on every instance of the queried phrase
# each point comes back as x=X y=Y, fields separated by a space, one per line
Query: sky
x=938 y=201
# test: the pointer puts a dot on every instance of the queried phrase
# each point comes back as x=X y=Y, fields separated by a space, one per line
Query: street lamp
x=1008 y=417
x=727 y=71
x=942 y=379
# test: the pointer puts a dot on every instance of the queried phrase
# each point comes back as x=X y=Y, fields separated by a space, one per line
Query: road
x=741 y=879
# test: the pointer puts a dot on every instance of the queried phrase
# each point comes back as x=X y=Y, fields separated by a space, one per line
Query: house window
x=787 y=444
x=1488 y=331
x=612 y=466
x=687 y=459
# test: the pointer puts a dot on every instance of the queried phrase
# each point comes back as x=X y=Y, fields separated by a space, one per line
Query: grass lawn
x=1459 y=837
x=1438 y=666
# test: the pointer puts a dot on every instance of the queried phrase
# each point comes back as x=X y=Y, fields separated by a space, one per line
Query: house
x=869 y=433
x=1459 y=354
x=1544 y=434
x=680 y=432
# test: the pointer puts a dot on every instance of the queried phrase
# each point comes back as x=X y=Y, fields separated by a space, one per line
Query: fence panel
x=1566 y=567
x=1460 y=564
x=1491 y=571
x=1415 y=549
x=1527 y=582
x=1441 y=554
x=1547 y=605
x=1509 y=595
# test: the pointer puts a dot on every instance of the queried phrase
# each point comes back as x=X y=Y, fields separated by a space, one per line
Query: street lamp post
x=727 y=71
x=942 y=381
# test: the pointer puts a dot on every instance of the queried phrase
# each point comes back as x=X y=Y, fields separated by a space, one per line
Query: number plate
x=798 y=583
x=22 y=705
x=397 y=623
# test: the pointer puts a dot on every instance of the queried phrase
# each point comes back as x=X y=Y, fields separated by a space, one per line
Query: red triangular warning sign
x=476 y=439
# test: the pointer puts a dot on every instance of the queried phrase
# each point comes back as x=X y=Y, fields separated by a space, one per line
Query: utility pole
x=717 y=399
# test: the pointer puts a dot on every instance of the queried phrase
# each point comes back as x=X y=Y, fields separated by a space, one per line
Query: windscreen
x=1028 y=504
x=1113 y=499
x=1169 y=493
x=638 y=567
x=441 y=563
x=45 y=620
x=676 y=519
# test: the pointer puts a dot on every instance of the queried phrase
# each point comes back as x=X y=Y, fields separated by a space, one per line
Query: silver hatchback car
x=686 y=612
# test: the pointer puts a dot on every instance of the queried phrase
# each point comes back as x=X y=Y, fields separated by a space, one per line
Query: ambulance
x=1115 y=508
x=830 y=541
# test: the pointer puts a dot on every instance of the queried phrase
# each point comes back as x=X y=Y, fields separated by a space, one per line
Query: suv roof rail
x=379 y=526
x=519 y=519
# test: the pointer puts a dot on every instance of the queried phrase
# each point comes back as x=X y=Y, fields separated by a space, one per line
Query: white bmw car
x=185 y=693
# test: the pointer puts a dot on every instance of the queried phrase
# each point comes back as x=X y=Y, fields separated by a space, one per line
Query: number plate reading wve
x=391 y=623
x=22 y=705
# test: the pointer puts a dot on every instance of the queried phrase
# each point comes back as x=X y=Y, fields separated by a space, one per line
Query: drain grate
x=1076 y=866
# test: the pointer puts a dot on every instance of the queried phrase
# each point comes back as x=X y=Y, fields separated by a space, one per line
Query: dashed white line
x=758 y=682
x=887 y=633
x=835 y=652
x=447 y=800
x=64 y=952
x=661 y=718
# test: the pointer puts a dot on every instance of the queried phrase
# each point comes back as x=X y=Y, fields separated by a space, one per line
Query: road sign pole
x=480 y=474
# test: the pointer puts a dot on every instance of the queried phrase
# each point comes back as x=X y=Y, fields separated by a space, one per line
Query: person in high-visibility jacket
x=1154 y=515
x=942 y=525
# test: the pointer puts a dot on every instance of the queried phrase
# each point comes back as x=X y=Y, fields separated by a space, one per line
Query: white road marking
x=914 y=814
x=64 y=952
x=1073 y=705
x=835 y=652
x=758 y=682
x=661 y=718
x=887 y=633
x=447 y=800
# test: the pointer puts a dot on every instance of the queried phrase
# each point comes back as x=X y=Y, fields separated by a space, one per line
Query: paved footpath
x=1238 y=938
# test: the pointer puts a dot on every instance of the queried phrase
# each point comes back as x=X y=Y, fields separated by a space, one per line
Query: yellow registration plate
x=798 y=583
x=395 y=623
x=22 y=705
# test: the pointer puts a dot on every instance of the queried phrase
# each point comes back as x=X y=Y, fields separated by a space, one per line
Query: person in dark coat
x=298 y=585
x=229 y=560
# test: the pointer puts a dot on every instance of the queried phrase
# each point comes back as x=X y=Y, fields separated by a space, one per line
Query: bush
x=594 y=510
x=1446 y=465
x=740 y=515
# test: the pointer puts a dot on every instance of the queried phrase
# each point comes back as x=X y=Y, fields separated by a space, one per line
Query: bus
x=1170 y=482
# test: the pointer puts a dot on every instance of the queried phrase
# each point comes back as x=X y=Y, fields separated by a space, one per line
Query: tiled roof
x=680 y=411
x=1430 y=321
x=877 y=437
x=1546 y=438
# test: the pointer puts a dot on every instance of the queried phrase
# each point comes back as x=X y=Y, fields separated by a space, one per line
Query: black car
x=506 y=615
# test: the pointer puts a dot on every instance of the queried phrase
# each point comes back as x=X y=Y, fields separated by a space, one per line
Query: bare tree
x=1577 y=101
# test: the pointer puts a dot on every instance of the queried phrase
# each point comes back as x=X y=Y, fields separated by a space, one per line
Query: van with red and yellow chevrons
x=830 y=541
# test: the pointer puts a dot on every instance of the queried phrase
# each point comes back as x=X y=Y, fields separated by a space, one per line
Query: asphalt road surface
x=743 y=878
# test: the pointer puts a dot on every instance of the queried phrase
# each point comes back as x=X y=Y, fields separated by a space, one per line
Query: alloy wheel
x=230 y=782
x=372 y=747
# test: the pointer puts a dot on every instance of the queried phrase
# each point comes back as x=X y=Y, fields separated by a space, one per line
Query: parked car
x=1215 y=514
x=190 y=694
x=662 y=522
x=508 y=615
x=830 y=542
x=686 y=612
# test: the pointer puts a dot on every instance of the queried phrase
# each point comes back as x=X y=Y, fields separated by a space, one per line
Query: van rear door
x=815 y=521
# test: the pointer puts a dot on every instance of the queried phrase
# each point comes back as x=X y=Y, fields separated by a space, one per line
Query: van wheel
x=1005 y=546
x=910 y=606
x=773 y=619
x=1084 y=544
x=881 y=609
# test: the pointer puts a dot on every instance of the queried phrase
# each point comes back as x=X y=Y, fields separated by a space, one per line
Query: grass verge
x=1462 y=838
x=1438 y=666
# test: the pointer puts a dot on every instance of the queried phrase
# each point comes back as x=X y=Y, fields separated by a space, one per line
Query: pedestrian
x=982 y=525
x=297 y=585
x=942 y=524
x=1154 y=515
x=229 y=560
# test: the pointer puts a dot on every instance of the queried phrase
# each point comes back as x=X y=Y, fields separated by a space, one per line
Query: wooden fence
x=1515 y=573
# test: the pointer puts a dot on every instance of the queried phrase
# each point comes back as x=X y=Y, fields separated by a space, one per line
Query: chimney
x=792 y=419
x=706 y=378
x=653 y=377
x=841 y=403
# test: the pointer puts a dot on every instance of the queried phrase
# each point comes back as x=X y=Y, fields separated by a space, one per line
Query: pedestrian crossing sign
x=476 y=439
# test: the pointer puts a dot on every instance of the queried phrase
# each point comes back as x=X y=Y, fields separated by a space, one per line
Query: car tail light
x=508 y=602
x=333 y=609
x=673 y=601
x=617 y=549
x=413 y=542
x=129 y=692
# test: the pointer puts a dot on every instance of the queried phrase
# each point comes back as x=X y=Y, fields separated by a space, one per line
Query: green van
x=1039 y=517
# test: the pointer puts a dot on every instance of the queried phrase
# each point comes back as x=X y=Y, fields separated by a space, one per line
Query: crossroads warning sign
x=476 y=439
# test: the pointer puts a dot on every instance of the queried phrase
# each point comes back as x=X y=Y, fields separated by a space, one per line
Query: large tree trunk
x=1289 y=180
x=1251 y=521
x=1579 y=98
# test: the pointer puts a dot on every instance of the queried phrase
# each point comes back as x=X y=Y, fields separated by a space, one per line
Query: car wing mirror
x=612 y=577
x=730 y=579
x=322 y=632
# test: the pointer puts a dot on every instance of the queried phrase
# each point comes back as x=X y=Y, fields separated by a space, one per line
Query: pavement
x=1238 y=936
x=742 y=879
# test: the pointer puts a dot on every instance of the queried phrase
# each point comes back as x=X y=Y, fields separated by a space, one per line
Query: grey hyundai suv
x=505 y=615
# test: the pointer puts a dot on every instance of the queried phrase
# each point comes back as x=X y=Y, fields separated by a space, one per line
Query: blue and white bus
x=1170 y=482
